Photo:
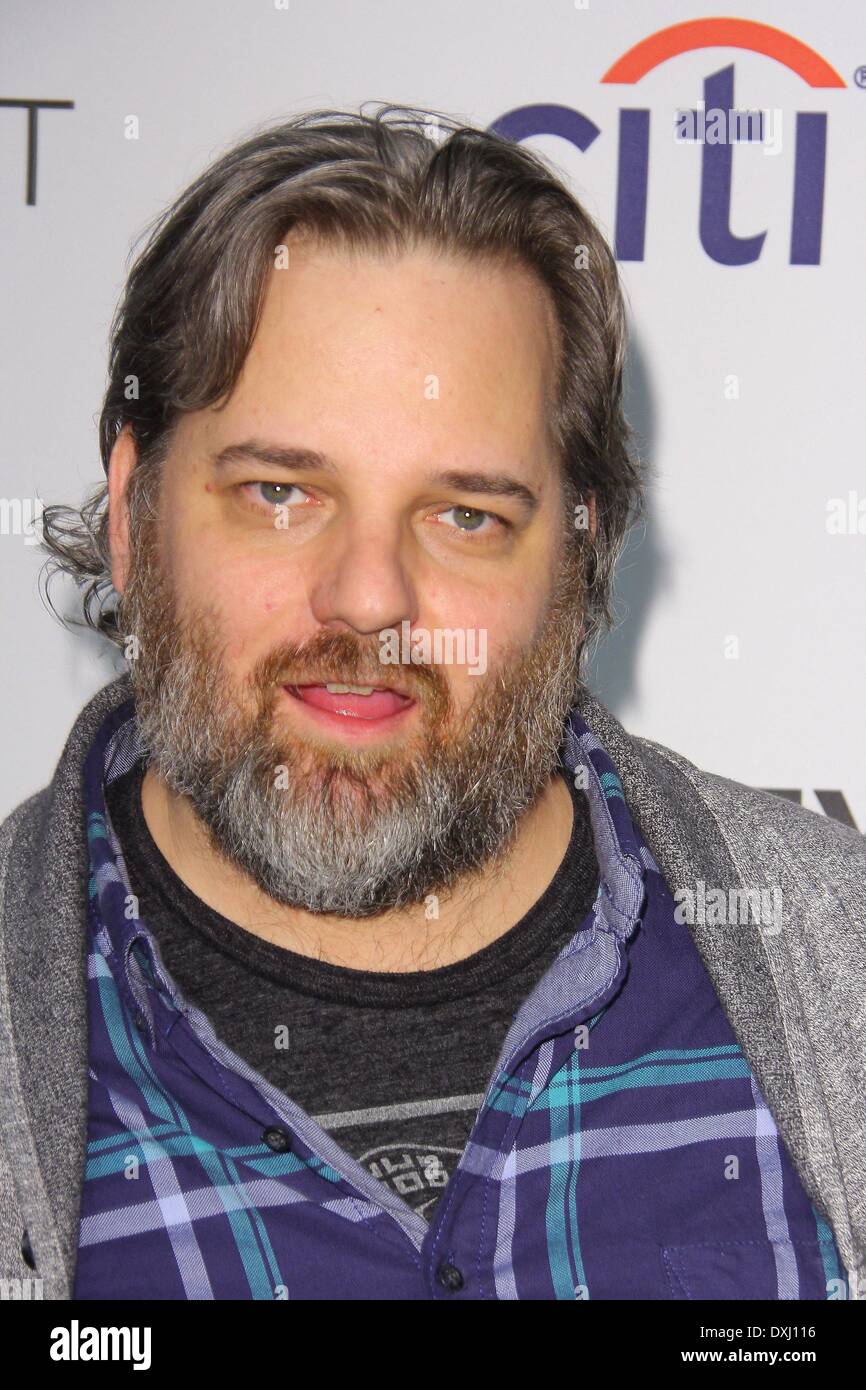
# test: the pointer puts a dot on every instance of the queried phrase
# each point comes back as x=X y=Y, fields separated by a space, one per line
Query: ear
x=123 y=458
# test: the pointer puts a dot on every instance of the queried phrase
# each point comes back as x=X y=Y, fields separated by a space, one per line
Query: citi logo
x=633 y=163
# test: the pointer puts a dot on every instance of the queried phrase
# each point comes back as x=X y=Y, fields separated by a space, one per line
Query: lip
x=349 y=721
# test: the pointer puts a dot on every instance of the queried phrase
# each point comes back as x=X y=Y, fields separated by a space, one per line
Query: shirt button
x=27 y=1250
x=140 y=1023
x=449 y=1277
x=277 y=1139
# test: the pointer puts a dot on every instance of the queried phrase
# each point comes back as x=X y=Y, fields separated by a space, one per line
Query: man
x=355 y=950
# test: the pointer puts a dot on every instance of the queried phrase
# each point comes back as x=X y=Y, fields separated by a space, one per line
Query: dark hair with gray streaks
x=381 y=182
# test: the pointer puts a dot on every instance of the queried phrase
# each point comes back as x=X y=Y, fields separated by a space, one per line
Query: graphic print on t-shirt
x=414 y=1171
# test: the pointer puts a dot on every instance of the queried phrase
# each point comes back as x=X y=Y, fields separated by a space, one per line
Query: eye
x=472 y=519
x=267 y=496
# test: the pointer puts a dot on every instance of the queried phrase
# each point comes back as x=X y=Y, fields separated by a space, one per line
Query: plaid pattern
x=622 y=1150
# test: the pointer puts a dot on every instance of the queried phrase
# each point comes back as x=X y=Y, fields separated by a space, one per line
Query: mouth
x=352 y=708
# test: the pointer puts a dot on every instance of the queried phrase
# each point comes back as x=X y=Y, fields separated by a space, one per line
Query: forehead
x=423 y=346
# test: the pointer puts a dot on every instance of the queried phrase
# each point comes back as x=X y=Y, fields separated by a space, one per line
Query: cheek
x=509 y=609
x=254 y=604
x=495 y=622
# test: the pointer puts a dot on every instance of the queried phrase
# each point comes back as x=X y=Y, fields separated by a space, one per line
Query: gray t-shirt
x=392 y=1065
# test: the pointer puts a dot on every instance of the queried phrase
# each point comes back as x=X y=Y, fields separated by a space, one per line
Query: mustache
x=332 y=657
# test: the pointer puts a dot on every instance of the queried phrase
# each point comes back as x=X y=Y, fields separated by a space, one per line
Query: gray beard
x=325 y=842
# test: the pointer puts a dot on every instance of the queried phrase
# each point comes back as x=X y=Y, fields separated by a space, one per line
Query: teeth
x=350 y=689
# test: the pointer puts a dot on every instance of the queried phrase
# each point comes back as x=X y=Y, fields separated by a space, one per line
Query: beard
x=328 y=828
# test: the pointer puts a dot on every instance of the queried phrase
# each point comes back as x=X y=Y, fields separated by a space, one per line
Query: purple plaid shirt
x=622 y=1149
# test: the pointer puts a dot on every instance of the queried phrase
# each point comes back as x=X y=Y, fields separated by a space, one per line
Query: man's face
x=377 y=504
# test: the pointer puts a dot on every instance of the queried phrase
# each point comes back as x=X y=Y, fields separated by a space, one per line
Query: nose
x=361 y=580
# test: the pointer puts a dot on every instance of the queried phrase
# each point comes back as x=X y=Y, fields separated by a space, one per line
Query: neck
x=470 y=916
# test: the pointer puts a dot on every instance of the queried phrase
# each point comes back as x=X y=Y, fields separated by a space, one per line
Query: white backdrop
x=745 y=380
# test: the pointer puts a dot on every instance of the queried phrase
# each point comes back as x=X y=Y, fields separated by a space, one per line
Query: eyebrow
x=310 y=460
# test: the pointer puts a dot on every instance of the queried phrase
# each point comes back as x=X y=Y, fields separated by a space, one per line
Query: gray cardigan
x=796 y=997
